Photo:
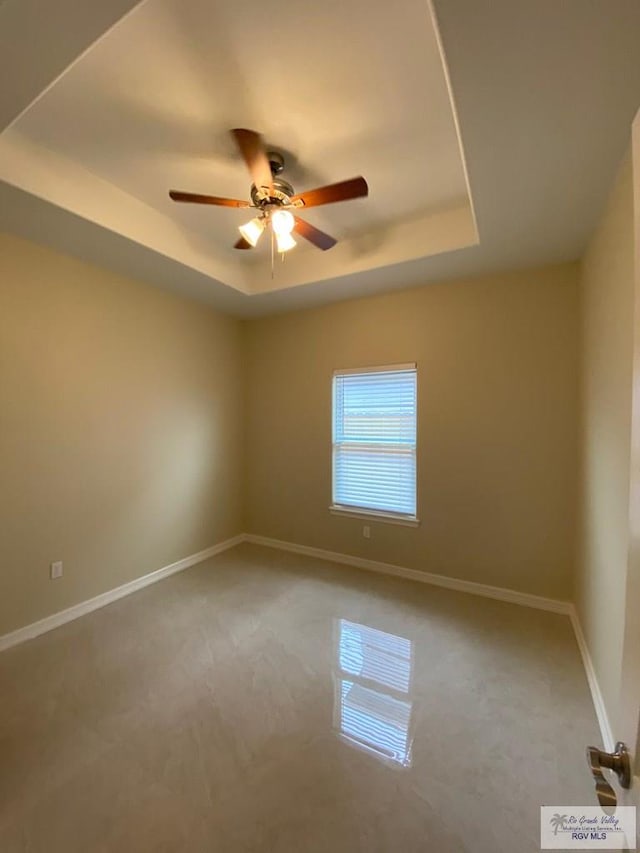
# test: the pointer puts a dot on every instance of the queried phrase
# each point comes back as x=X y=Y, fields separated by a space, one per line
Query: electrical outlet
x=366 y=531
x=56 y=570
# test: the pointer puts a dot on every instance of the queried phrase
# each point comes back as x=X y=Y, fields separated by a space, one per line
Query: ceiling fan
x=275 y=199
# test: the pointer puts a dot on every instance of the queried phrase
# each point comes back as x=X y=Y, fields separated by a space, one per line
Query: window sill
x=372 y=515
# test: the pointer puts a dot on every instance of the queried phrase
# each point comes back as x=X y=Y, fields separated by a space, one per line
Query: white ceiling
x=545 y=94
x=150 y=105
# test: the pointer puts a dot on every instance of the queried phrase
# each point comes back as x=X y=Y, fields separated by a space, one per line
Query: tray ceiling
x=341 y=88
x=109 y=103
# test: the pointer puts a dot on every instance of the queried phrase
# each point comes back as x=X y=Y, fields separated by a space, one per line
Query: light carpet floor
x=264 y=701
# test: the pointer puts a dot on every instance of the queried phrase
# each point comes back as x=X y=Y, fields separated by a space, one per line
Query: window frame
x=367 y=513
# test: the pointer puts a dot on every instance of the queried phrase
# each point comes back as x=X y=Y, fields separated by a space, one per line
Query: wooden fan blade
x=177 y=195
x=242 y=244
x=342 y=191
x=313 y=235
x=252 y=149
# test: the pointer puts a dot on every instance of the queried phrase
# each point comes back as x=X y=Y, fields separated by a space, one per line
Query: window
x=374 y=441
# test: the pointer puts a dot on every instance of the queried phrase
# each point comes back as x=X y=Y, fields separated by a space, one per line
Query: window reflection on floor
x=372 y=708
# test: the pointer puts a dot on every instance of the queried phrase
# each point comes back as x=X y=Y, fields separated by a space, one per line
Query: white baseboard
x=596 y=694
x=499 y=593
x=71 y=613
x=523 y=598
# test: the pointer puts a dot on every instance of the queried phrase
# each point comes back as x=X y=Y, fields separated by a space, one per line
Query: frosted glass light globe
x=282 y=222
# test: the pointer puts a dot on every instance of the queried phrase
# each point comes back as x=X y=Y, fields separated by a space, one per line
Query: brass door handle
x=617 y=761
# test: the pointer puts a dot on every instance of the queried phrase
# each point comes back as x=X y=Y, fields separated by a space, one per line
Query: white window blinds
x=374 y=440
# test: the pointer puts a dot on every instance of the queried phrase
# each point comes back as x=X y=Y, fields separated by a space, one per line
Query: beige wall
x=124 y=444
x=497 y=389
x=628 y=719
x=607 y=365
x=120 y=430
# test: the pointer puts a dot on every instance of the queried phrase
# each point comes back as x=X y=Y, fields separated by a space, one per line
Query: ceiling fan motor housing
x=282 y=190
x=282 y=193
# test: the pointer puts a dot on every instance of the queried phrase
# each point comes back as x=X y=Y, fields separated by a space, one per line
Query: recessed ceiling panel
x=341 y=88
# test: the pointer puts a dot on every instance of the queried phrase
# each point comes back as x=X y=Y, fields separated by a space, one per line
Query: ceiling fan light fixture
x=282 y=223
x=271 y=195
x=252 y=231
x=284 y=242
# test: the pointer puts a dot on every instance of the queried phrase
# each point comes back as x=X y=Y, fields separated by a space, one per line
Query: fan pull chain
x=272 y=252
